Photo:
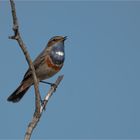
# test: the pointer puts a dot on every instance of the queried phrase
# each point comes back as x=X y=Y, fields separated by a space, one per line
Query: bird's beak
x=64 y=38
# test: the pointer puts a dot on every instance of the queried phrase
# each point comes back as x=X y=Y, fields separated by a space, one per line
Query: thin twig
x=50 y=92
x=18 y=38
x=35 y=120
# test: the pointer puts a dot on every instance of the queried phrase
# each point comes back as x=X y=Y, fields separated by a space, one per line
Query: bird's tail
x=18 y=94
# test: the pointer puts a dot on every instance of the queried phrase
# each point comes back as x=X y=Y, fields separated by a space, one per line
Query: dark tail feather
x=17 y=94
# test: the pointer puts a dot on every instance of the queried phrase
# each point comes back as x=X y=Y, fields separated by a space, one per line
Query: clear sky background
x=99 y=96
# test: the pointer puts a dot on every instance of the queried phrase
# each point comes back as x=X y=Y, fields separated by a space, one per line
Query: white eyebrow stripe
x=60 y=53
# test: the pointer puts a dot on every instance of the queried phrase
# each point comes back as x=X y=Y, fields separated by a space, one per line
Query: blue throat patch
x=57 y=54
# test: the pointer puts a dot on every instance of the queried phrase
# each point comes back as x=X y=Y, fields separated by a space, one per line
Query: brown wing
x=37 y=62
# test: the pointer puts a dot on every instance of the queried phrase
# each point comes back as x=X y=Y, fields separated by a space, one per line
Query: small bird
x=48 y=63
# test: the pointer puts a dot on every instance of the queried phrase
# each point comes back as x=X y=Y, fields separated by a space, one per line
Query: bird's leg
x=51 y=84
x=45 y=82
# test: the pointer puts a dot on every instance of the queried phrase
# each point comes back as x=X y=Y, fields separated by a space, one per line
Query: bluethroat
x=48 y=63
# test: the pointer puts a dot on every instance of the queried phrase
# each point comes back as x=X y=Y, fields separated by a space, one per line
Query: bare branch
x=35 y=119
x=18 y=38
x=38 y=108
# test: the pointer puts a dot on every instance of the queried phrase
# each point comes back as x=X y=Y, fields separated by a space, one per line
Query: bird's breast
x=57 y=55
x=48 y=69
x=52 y=65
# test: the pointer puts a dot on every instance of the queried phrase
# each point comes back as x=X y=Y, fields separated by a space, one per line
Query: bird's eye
x=54 y=39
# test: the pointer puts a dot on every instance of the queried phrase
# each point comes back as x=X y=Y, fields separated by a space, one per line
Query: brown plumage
x=47 y=64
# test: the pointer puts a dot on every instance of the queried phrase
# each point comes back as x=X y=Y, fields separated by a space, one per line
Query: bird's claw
x=54 y=86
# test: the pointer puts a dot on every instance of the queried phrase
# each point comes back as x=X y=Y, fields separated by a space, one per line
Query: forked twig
x=35 y=120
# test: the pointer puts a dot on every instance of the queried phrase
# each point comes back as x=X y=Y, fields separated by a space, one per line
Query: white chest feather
x=59 y=53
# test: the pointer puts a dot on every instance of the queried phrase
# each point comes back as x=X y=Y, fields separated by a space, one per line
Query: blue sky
x=99 y=95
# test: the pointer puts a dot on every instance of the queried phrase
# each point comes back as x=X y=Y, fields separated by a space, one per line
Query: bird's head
x=56 y=40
